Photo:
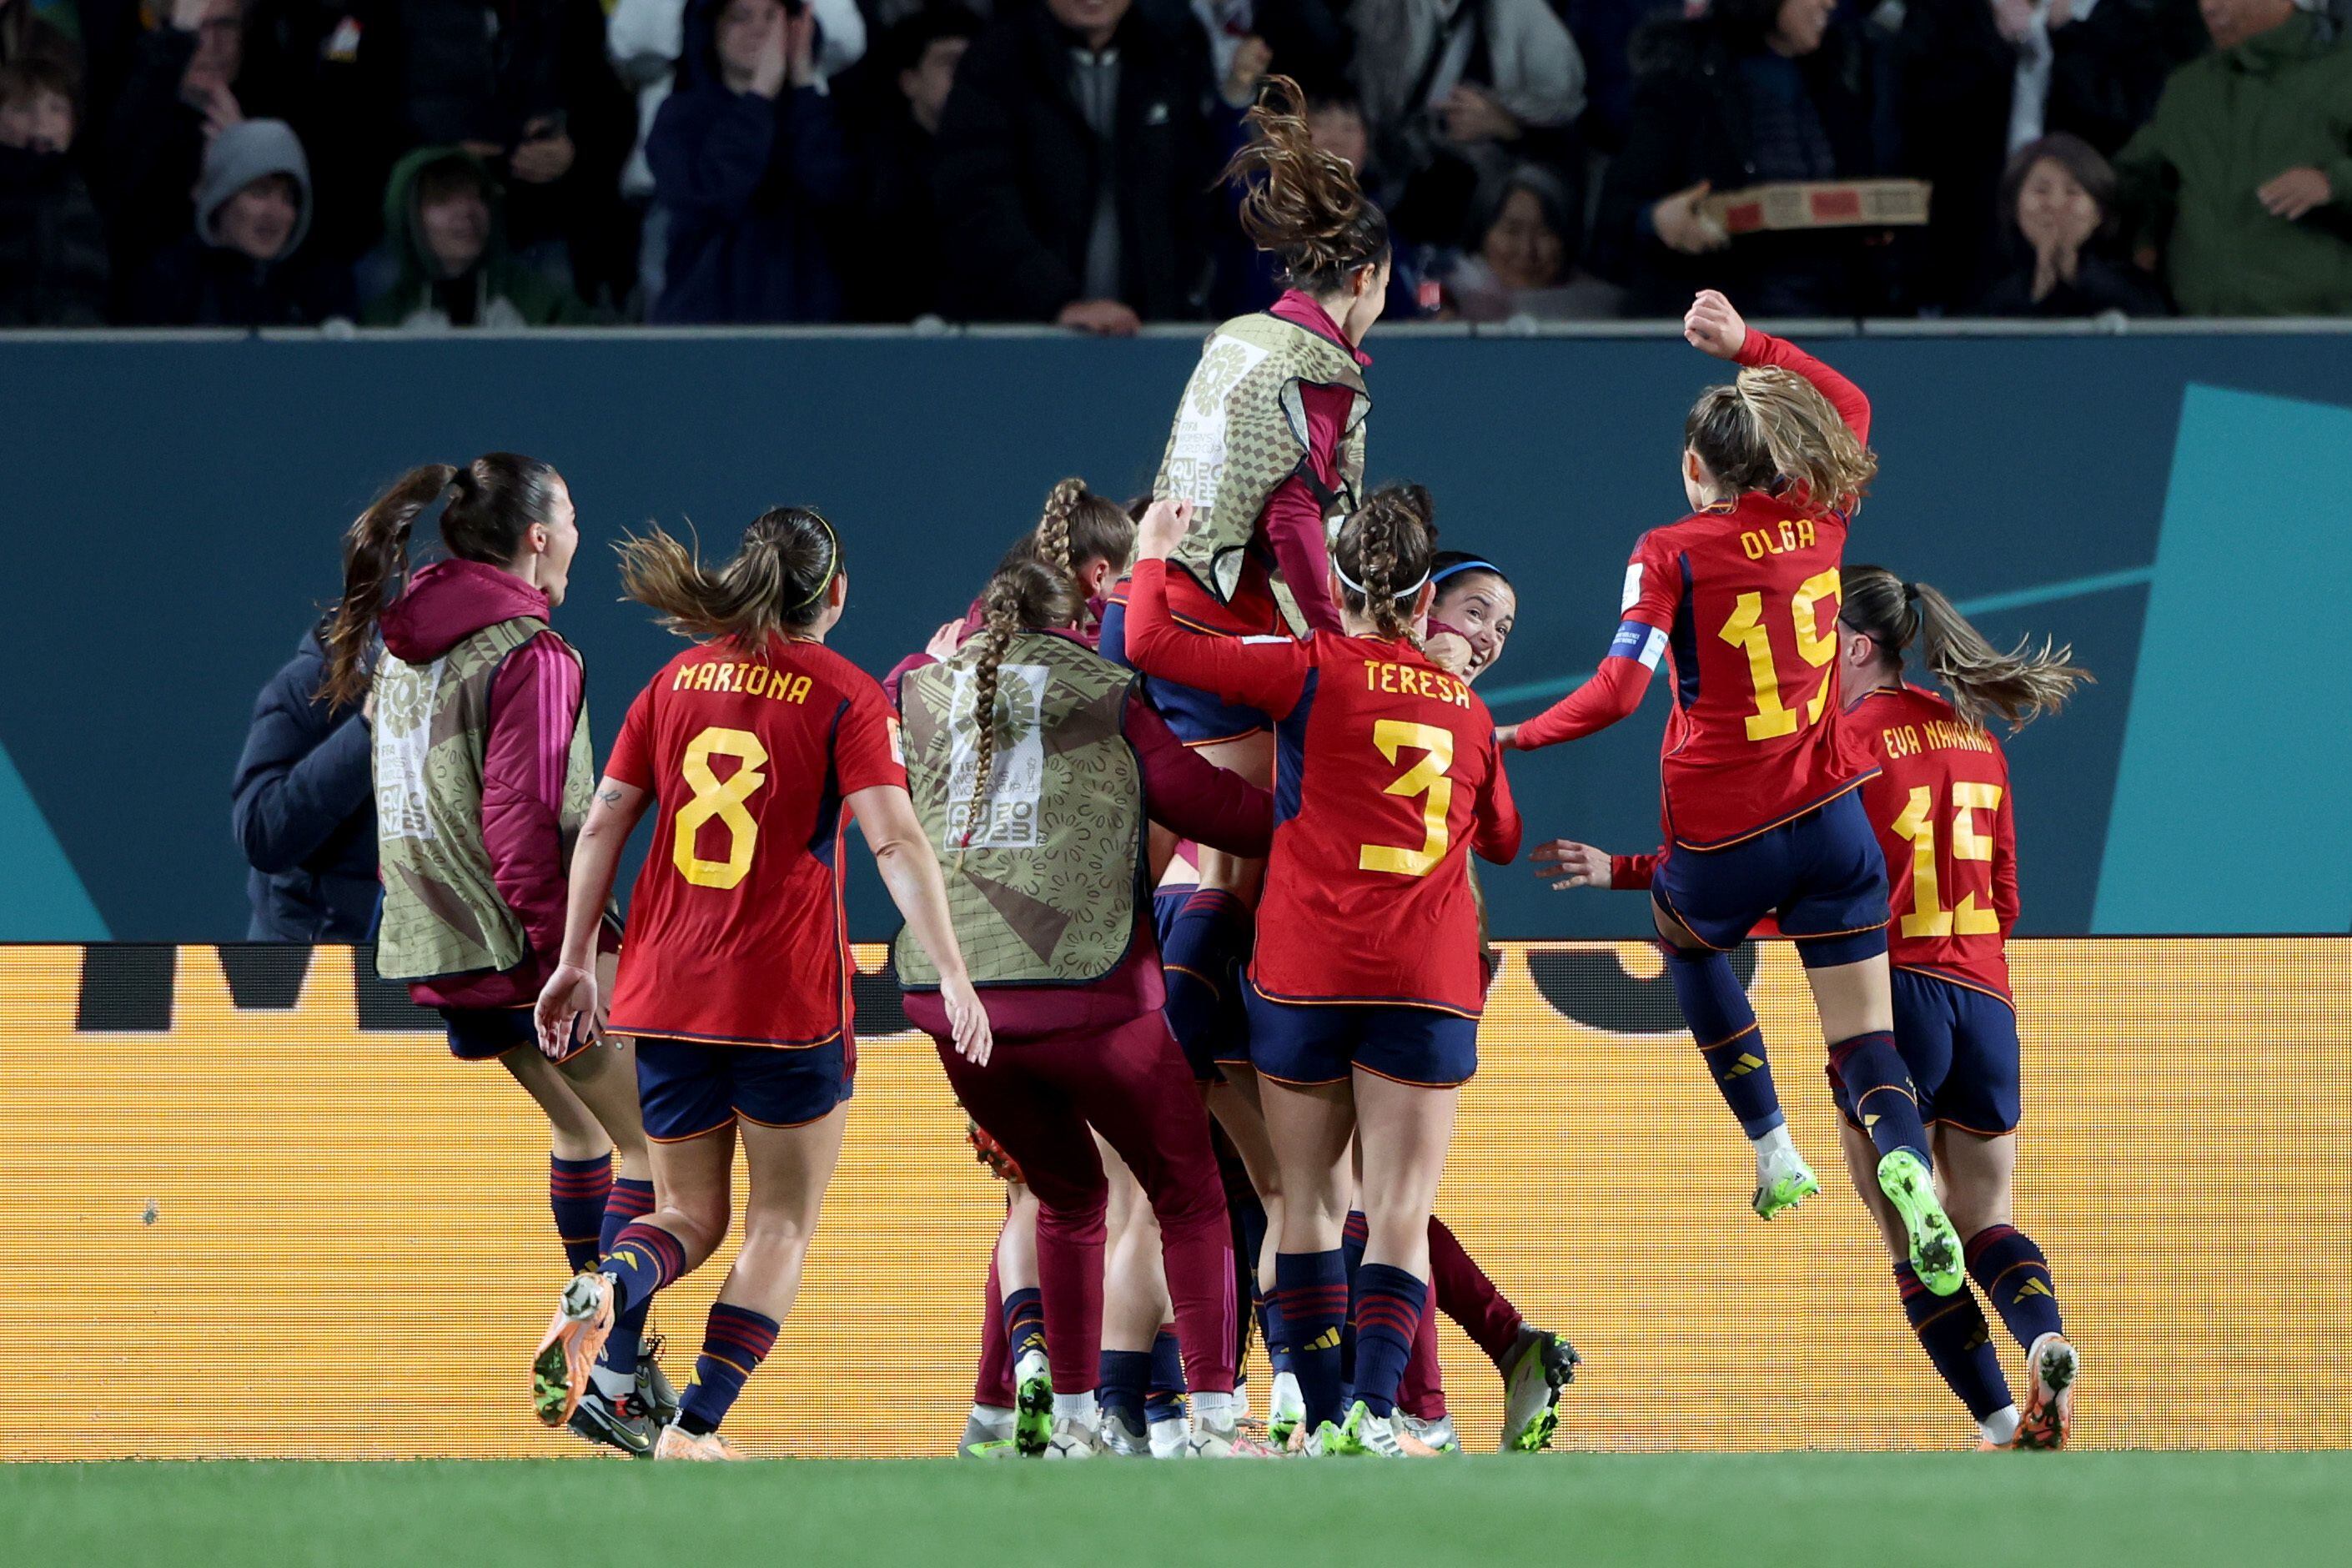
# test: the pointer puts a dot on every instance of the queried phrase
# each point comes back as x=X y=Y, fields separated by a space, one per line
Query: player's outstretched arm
x=1713 y=327
x=570 y=993
x=1267 y=673
x=885 y=816
x=1565 y=864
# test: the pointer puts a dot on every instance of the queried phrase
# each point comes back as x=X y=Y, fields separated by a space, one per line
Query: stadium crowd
x=433 y=164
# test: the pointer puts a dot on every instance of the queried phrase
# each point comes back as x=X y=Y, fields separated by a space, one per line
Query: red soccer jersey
x=1385 y=772
x=736 y=933
x=1940 y=806
x=1744 y=596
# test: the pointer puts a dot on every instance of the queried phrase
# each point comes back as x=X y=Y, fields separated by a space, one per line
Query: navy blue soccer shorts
x=1205 y=1008
x=1821 y=875
x=486 y=1034
x=1961 y=1046
x=1310 y=1044
x=688 y=1090
x=1199 y=718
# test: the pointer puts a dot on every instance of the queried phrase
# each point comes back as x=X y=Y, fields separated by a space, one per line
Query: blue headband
x=1471 y=565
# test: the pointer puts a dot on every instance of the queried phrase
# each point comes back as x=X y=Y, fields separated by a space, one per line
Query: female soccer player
x=1032 y=760
x=1944 y=814
x=1365 y=990
x=1758 y=778
x=482 y=775
x=736 y=977
x=1943 y=811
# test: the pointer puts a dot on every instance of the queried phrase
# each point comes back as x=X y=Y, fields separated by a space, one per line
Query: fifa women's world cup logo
x=1005 y=816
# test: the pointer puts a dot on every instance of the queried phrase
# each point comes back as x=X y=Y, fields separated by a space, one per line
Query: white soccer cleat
x=987 y=1434
x=1289 y=1412
x=1123 y=1438
x=1783 y=1179
x=1426 y=1439
x=1168 y=1437
x=678 y=1443
x=1073 y=1439
x=1541 y=1365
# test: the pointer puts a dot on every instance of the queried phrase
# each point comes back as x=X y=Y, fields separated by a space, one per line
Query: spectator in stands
x=1075 y=167
x=1244 y=40
x=2248 y=164
x=1459 y=92
x=179 y=94
x=1978 y=79
x=2058 y=197
x=1603 y=31
x=1755 y=92
x=647 y=37
x=443 y=216
x=53 y=263
x=1519 y=264
x=240 y=268
x=24 y=34
x=895 y=260
x=750 y=165
x=303 y=806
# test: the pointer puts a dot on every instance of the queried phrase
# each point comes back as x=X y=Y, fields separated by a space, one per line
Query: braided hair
x=1026 y=594
x=1383 y=554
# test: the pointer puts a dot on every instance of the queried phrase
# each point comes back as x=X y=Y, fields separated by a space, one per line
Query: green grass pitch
x=1817 y=1510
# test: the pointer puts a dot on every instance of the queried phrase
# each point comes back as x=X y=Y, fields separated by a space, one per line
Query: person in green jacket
x=445 y=216
x=2248 y=162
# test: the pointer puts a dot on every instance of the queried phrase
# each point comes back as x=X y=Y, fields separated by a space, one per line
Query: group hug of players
x=1179 y=818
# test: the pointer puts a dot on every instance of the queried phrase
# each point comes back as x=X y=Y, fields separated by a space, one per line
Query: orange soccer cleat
x=575 y=1336
x=2049 y=1419
x=678 y=1443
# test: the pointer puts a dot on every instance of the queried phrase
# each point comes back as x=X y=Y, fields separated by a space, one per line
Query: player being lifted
x=1758 y=778
x=1365 y=988
x=1944 y=814
x=483 y=771
x=736 y=973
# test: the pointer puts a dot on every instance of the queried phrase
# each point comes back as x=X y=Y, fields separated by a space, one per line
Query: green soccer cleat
x=1361 y=1435
x=1033 y=1405
x=1539 y=1368
x=1936 y=1255
x=1287 y=1418
x=1783 y=1180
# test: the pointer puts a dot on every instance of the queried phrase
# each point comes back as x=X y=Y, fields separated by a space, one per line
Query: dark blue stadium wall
x=2175 y=506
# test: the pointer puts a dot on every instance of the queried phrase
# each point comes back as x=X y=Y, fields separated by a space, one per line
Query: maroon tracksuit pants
x=1037 y=1095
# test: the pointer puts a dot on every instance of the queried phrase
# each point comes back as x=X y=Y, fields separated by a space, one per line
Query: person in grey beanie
x=243 y=265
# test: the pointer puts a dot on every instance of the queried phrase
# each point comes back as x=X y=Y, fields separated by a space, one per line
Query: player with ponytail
x=1758 y=777
x=483 y=771
x=1038 y=768
x=736 y=978
x=1366 y=985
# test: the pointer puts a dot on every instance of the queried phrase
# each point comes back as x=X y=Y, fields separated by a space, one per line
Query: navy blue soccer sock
x=1353 y=1236
x=1024 y=1323
x=1878 y=1089
x=1387 y=1312
x=1119 y=1384
x=631 y=1200
x=734 y=1343
x=642 y=1259
x=576 y=1191
x=1953 y=1333
x=1310 y=1292
x=1163 y=1392
x=2013 y=1272
x=1724 y=1025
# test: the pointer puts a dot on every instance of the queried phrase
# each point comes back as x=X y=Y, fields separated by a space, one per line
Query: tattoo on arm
x=609 y=796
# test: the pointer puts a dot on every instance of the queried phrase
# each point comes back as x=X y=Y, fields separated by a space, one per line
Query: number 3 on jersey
x=722 y=800
x=1425 y=778
x=1746 y=631
x=1928 y=917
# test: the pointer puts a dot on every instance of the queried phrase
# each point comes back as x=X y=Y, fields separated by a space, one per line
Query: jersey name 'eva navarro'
x=1386 y=773
x=736 y=933
x=1940 y=807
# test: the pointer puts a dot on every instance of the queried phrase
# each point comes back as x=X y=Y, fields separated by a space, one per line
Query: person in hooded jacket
x=243 y=266
x=443 y=216
x=303 y=807
x=750 y=162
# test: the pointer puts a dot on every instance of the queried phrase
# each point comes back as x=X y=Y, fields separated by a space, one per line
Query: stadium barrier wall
x=257 y=1210
x=174 y=500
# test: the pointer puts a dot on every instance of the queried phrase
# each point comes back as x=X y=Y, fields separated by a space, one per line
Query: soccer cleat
x=678 y=1443
x=568 y=1351
x=1422 y=1440
x=624 y=1423
x=1123 y=1438
x=1072 y=1438
x=2049 y=1419
x=1167 y=1437
x=986 y=1436
x=655 y=1395
x=1540 y=1367
x=1783 y=1180
x=1936 y=1255
x=1032 y=1405
x=1287 y=1415
x=1321 y=1443
x=1361 y=1435
x=1226 y=1443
